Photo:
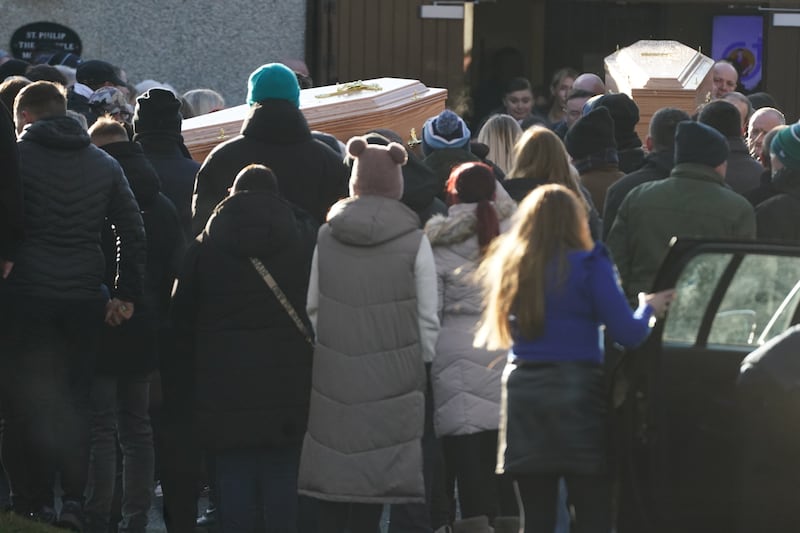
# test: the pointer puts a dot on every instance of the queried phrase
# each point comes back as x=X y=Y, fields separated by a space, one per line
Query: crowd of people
x=320 y=330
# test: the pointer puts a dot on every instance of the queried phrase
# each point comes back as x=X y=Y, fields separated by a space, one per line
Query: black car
x=679 y=437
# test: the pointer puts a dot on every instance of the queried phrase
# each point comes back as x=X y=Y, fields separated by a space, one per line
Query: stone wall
x=186 y=43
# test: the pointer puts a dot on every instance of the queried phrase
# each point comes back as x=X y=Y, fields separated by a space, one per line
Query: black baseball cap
x=96 y=72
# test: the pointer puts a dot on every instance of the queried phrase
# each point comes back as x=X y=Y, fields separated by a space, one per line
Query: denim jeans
x=253 y=481
x=120 y=411
x=46 y=368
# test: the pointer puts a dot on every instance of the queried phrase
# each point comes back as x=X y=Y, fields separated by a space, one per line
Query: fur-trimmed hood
x=459 y=224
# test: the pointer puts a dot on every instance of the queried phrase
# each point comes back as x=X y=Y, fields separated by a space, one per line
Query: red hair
x=475 y=183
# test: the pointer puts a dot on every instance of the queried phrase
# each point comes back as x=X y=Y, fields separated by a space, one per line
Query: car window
x=761 y=292
x=695 y=287
x=759 y=303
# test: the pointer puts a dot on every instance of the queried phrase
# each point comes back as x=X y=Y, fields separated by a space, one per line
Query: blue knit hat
x=446 y=130
x=786 y=146
x=698 y=143
x=273 y=80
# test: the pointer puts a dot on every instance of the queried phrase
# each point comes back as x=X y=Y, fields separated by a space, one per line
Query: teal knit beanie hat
x=786 y=145
x=273 y=80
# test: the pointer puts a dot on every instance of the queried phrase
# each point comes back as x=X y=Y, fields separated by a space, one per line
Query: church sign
x=38 y=38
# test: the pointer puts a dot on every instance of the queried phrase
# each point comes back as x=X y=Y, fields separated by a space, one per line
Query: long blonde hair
x=540 y=154
x=500 y=134
x=549 y=223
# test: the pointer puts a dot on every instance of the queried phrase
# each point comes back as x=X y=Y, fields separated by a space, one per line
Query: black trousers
x=590 y=496
x=46 y=369
x=336 y=517
x=470 y=460
x=180 y=465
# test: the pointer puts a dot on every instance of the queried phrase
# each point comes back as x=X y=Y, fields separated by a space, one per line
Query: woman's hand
x=659 y=301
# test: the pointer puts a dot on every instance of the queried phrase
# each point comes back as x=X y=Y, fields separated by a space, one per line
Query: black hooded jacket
x=778 y=218
x=275 y=134
x=70 y=188
x=518 y=189
x=250 y=363
x=176 y=169
x=657 y=165
x=132 y=348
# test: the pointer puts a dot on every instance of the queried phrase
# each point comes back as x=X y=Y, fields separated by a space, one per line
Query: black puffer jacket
x=132 y=348
x=764 y=191
x=251 y=365
x=70 y=188
x=176 y=169
x=275 y=134
x=779 y=217
x=11 y=210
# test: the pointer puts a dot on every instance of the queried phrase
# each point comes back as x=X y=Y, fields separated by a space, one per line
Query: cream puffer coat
x=465 y=379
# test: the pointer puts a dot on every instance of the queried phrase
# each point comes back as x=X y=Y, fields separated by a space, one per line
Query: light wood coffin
x=660 y=74
x=400 y=105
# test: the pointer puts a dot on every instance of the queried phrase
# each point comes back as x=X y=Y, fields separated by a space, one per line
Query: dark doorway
x=580 y=34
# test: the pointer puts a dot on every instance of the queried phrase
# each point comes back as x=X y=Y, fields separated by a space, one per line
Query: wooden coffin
x=341 y=110
x=660 y=74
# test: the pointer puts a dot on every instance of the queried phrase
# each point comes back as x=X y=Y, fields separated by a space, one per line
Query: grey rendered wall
x=187 y=43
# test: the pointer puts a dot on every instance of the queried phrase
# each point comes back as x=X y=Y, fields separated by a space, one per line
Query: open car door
x=678 y=443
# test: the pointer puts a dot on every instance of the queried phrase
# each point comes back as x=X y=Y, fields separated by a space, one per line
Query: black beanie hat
x=699 y=143
x=13 y=67
x=157 y=110
x=625 y=113
x=591 y=134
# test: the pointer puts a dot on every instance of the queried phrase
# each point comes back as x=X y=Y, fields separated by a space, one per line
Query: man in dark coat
x=121 y=388
x=744 y=172
x=762 y=122
x=625 y=113
x=90 y=76
x=660 y=143
x=778 y=218
x=251 y=362
x=765 y=189
x=11 y=211
x=157 y=127
x=277 y=135
x=54 y=301
x=769 y=394
x=594 y=153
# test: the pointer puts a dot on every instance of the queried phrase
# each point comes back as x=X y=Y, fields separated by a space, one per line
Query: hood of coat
x=276 y=122
x=518 y=188
x=141 y=175
x=253 y=224
x=660 y=161
x=163 y=143
x=370 y=220
x=63 y=133
x=460 y=222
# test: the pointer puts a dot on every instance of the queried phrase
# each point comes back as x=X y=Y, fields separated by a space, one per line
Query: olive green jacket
x=692 y=202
